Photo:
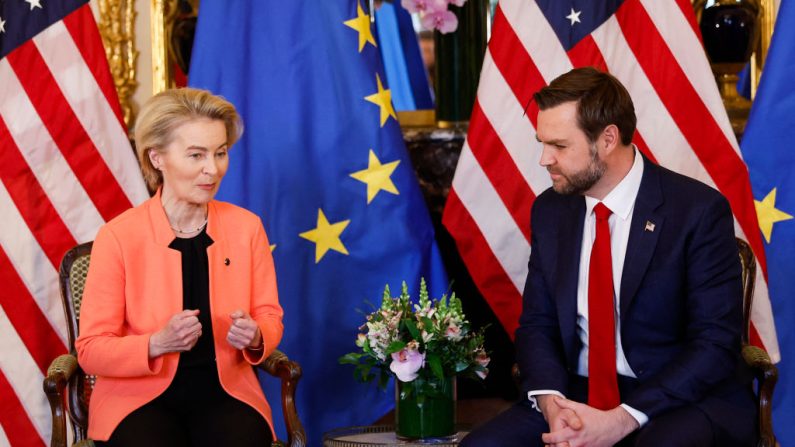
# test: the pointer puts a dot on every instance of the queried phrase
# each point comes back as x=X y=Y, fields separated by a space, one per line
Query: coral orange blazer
x=133 y=288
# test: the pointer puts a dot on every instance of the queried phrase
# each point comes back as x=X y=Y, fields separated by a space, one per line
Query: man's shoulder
x=684 y=189
x=550 y=208
x=549 y=199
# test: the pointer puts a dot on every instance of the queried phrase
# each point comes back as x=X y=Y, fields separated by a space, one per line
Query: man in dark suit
x=632 y=313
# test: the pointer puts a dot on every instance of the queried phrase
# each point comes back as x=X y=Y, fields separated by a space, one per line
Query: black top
x=196 y=295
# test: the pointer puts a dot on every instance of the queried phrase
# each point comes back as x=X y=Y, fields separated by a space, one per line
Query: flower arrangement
x=429 y=339
x=434 y=13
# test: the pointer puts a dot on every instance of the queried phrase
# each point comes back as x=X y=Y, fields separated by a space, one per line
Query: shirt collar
x=621 y=200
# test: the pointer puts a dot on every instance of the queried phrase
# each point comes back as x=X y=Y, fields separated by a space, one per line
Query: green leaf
x=395 y=346
x=428 y=323
x=406 y=389
x=435 y=364
x=383 y=379
x=413 y=330
x=350 y=358
x=361 y=372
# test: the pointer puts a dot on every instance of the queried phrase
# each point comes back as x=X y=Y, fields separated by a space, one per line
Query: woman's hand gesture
x=244 y=332
x=179 y=335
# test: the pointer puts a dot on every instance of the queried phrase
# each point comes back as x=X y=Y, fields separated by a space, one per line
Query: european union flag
x=323 y=162
x=769 y=152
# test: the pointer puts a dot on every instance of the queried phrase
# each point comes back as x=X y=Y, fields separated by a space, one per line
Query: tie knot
x=602 y=212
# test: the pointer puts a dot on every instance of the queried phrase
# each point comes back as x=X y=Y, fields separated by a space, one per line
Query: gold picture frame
x=117 y=29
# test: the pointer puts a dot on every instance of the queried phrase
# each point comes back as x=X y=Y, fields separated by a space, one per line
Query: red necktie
x=602 y=378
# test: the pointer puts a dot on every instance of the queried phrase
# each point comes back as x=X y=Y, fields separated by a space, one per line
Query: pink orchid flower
x=437 y=5
x=445 y=21
x=414 y=6
x=406 y=363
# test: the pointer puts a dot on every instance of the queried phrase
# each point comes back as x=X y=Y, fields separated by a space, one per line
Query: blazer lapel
x=218 y=256
x=168 y=261
x=568 y=268
x=643 y=236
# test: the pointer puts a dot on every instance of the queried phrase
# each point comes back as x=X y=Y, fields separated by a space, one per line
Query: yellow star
x=377 y=176
x=362 y=24
x=383 y=99
x=326 y=236
x=767 y=214
x=273 y=247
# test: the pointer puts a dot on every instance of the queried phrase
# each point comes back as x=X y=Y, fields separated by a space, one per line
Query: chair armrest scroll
x=766 y=375
x=279 y=365
x=58 y=374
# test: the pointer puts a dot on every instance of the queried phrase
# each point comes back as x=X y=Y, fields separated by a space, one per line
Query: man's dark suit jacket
x=680 y=298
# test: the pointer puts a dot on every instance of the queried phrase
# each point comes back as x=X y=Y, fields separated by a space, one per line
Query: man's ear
x=610 y=138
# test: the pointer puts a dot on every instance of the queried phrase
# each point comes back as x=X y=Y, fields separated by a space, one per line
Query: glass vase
x=459 y=57
x=425 y=409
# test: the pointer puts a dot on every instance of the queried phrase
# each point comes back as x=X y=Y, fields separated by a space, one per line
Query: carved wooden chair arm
x=279 y=365
x=766 y=375
x=58 y=374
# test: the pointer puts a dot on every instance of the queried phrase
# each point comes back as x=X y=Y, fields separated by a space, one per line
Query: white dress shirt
x=621 y=201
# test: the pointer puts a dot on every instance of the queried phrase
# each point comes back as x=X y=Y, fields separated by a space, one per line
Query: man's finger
x=557 y=436
x=568 y=404
x=571 y=419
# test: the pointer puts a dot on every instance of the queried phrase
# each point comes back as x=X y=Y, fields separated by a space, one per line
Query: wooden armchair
x=68 y=388
x=765 y=372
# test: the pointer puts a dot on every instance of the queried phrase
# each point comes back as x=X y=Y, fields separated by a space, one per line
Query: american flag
x=66 y=167
x=654 y=48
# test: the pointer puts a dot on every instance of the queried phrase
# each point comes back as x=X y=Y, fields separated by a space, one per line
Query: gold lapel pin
x=649 y=226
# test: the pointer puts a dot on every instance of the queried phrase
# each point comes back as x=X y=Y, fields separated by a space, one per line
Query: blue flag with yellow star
x=769 y=152
x=322 y=161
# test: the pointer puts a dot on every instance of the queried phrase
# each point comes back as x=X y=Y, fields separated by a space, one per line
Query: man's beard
x=582 y=181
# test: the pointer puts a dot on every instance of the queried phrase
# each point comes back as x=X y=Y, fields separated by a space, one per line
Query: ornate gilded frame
x=117 y=28
x=163 y=13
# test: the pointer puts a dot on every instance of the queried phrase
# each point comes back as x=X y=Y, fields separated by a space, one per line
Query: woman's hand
x=180 y=334
x=244 y=332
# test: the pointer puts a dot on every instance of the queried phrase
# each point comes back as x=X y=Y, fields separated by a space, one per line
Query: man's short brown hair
x=601 y=100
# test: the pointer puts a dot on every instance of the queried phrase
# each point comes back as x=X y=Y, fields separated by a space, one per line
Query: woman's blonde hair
x=166 y=111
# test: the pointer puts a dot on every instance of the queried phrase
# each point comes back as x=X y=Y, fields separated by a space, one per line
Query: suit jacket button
x=226 y=261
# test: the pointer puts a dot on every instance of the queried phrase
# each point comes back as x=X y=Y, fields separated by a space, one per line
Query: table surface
x=381 y=435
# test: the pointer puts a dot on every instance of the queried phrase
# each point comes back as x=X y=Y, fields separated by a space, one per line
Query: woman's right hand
x=179 y=335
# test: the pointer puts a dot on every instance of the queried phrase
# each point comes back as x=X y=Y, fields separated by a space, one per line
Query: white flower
x=453 y=332
x=427 y=336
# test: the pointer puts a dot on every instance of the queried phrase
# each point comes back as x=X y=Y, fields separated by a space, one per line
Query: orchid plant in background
x=434 y=14
x=427 y=339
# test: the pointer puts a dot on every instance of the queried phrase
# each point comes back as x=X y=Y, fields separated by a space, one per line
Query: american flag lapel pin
x=649 y=226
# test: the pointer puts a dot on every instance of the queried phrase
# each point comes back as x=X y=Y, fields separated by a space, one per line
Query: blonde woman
x=180 y=299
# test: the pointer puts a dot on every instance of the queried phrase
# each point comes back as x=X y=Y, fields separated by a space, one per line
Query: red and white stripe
x=66 y=167
x=654 y=48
